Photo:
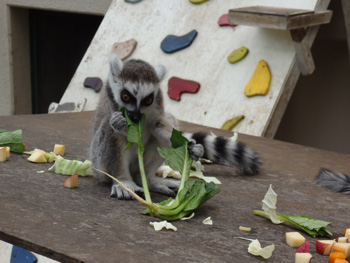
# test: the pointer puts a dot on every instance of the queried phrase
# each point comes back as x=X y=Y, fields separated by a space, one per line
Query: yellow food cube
x=7 y=152
x=294 y=239
x=37 y=157
x=3 y=154
x=59 y=149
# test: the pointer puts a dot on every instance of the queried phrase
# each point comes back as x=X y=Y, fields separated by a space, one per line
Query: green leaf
x=12 y=139
x=135 y=131
x=177 y=140
x=313 y=227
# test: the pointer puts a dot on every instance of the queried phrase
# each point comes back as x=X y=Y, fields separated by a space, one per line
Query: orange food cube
x=338 y=249
x=338 y=260
x=335 y=255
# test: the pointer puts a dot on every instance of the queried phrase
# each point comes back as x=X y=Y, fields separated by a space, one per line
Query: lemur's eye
x=125 y=97
x=149 y=101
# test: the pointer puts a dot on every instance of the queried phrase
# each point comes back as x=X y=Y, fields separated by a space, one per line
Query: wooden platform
x=86 y=225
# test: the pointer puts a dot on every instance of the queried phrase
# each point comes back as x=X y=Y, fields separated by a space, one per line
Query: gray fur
x=107 y=150
x=336 y=182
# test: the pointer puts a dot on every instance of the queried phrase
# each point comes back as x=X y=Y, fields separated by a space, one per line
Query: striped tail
x=336 y=182
x=222 y=150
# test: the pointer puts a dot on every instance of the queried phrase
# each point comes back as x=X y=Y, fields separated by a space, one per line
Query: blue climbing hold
x=133 y=1
x=20 y=255
x=171 y=43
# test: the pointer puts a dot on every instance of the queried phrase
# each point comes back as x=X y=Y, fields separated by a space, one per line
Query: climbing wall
x=221 y=94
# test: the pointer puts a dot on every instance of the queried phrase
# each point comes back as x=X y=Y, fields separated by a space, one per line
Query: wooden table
x=86 y=225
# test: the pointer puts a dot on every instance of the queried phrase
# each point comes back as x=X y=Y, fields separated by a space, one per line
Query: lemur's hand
x=118 y=122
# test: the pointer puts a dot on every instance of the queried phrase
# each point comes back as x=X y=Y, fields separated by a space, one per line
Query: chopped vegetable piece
x=58 y=149
x=314 y=227
x=246 y=229
x=188 y=217
x=323 y=247
x=37 y=157
x=343 y=240
x=338 y=260
x=208 y=221
x=303 y=257
x=12 y=139
x=3 y=154
x=347 y=233
x=334 y=255
x=304 y=248
x=165 y=171
x=71 y=182
x=70 y=167
x=345 y=246
x=294 y=239
x=335 y=248
x=161 y=225
x=8 y=152
x=256 y=250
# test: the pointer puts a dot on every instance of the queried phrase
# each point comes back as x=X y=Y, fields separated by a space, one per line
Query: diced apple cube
x=347 y=233
x=323 y=247
x=343 y=240
x=303 y=257
x=71 y=182
x=58 y=149
x=7 y=152
x=345 y=246
x=294 y=239
x=304 y=248
x=3 y=154
x=37 y=156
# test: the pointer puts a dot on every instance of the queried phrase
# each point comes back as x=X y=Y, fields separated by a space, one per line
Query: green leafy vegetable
x=314 y=227
x=12 y=139
x=70 y=167
x=191 y=194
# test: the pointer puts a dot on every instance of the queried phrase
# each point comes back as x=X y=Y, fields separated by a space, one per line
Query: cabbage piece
x=70 y=167
x=269 y=205
x=256 y=249
x=163 y=224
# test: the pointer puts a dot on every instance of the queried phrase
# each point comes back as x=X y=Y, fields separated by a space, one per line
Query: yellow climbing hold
x=259 y=83
x=230 y=124
x=197 y=1
x=237 y=55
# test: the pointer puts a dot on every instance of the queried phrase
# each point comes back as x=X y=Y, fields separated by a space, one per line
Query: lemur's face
x=135 y=86
x=137 y=98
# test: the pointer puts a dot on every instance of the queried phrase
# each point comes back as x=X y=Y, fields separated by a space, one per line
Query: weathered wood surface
x=86 y=225
x=278 y=18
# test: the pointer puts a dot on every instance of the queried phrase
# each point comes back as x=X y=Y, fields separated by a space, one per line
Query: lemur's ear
x=116 y=66
x=160 y=70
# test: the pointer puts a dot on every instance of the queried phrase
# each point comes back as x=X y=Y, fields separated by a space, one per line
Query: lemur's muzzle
x=135 y=116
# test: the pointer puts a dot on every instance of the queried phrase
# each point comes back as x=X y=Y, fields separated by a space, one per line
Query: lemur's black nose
x=134 y=116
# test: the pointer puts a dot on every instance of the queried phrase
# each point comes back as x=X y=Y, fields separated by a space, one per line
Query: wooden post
x=346 y=12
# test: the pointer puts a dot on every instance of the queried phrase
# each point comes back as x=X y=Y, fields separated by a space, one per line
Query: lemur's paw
x=165 y=186
x=195 y=150
x=120 y=193
x=118 y=121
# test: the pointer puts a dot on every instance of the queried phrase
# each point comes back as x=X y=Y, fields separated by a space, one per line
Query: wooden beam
x=278 y=18
x=346 y=12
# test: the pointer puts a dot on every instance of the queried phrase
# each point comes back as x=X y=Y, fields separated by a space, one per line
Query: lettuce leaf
x=12 y=139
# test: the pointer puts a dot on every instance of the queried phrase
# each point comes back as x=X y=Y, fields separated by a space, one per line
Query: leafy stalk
x=191 y=194
x=135 y=132
x=314 y=227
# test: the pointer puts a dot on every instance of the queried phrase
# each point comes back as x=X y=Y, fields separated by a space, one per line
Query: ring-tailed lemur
x=134 y=85
x=337 y=182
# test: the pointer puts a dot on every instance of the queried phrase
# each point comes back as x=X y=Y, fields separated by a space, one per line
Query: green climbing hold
x=237 y=55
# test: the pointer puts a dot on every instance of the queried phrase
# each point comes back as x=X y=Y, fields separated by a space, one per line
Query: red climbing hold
x=223 y=21
x=177 y=86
